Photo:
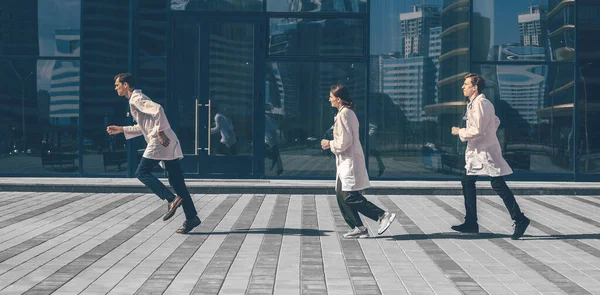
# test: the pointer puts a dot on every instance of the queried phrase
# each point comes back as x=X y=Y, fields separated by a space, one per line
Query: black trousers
x=352 y=203
x=144 y=174
x=499 y=185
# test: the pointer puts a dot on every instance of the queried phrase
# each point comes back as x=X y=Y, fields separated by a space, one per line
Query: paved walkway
x=71 y=243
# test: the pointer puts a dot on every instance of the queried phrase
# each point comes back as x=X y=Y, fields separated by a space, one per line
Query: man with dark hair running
x=483 y=156
x=163 y=146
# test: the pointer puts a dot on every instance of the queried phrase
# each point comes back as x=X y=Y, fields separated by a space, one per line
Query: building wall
x=540 y=61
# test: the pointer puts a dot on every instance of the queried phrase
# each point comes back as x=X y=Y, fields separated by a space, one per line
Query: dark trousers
x=173 y=167
x=499 y=185
x=351 y=203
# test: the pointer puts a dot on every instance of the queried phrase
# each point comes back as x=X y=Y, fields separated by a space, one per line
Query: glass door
x=215 y=87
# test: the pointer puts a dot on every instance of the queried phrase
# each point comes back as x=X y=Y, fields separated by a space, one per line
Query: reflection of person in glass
x=224 y=127
x=351 y=171
x=163 y=146
x=374 y=148
x=272 y=144
x=483 y=156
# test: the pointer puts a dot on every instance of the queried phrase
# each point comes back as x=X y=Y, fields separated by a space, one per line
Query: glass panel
x=40 y=110
x=561 y=30
x=231 y=88
x=59 y=27
x=318 y=5
x=510 y=30
x=316 y=37
x=106 y=42
x=19 y=28
x=297 y=103
x=219 y=5
x=535 y=107
x=588 y=110
x=419 y=56
x=153 y=27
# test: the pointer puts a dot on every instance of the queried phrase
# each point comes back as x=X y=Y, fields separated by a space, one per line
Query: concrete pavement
x=117 y=243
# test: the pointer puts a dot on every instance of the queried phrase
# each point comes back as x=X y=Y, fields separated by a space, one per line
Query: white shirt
x=150 y=119
x=349 y=156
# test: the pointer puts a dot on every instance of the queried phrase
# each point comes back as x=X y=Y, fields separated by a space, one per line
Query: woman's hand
x=325 y=144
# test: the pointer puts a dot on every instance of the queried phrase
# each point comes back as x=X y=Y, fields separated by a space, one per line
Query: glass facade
x=265 y=67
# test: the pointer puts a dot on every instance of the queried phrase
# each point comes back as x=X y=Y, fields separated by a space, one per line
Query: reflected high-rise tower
x=532 y=27
x=64 y=86
x=415 y=29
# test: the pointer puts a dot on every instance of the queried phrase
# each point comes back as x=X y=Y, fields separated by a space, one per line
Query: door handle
x=196 y=148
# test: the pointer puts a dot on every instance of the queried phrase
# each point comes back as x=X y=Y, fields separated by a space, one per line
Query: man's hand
x=112 y=129
x=163 y=139
x=455 y=130
x=325 y=144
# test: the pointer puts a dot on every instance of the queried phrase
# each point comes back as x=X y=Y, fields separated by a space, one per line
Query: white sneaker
x=385 y=221
x=356 y=233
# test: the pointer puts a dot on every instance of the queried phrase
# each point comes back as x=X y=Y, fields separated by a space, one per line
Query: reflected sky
x=56 y=14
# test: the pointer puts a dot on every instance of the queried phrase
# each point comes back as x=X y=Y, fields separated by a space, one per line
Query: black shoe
x=172 y=207
x=188 y=225
x=520 y=228
x=467 y=228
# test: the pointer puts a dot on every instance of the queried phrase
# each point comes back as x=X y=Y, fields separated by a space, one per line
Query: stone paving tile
x=101 y=278
x=290 y=244
x=38 y=268
x=521 y=250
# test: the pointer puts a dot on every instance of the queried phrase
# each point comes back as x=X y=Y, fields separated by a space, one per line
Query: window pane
x=510 y=30
x=535 y=107
x=152 y=34
x=106 y=54
x=561 y=30
x=316 y=37
x=419 y=55
x=218 y=5
x=318 y=6
x=19 y=28
x=40 y=110
x=59 y=27
x=297 y=103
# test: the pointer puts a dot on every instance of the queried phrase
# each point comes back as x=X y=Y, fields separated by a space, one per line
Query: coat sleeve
x=475 y=126
x=219 y=123
x=132 y=131
x=153 y=109
x=342 y=142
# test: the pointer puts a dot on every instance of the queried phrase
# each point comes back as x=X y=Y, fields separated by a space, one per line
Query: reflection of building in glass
x=454 y=58
x=435 y=49
x=522 y=87
x=18 y=83
x=19 y=28
x=64 y=91
x=64 y=86
x=415 y=29
x=517 y=52
x=532 y=26
x=561 y=29
x=408 y=81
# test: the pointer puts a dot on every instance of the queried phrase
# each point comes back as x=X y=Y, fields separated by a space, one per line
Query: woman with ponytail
x=351 y=171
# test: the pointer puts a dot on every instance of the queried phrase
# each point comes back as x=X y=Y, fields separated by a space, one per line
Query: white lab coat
x=349 y=156
x=150 y=119
x=224 y=126
x=483 y=155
